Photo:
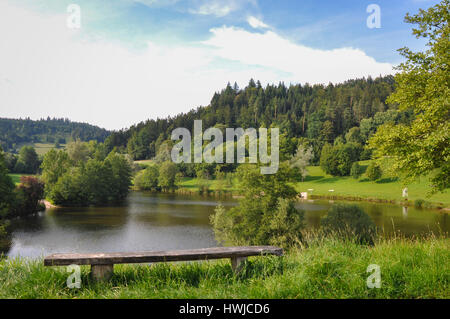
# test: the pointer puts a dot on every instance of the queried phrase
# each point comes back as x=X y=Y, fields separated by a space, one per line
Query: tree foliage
x=167 y=174
x=373 y=171
x=84 y=177
x=356 y=170
x=7 y=197
x=422 y=147
x=28 y=161
x=317 y=113
x=28 y=195
x=337 y=160
x=14 y=132
x=302 y=159
x=265 y=215
x=147 y=179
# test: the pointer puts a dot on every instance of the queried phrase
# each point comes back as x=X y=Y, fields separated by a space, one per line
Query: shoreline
x=48 y=204
x=233 y=194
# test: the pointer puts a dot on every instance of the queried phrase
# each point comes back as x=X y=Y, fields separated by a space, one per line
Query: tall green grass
x=326 y=268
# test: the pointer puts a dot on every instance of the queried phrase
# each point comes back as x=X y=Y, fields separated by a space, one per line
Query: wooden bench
x=102 y=265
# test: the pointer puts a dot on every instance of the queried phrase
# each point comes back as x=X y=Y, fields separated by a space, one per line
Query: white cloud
x=303 y=63
x=221 y=8
x=151 y=3
x=47 y=69
x=256 y=23
x=212 y=8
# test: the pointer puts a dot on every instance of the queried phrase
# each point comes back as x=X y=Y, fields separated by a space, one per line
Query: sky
x=126 y=61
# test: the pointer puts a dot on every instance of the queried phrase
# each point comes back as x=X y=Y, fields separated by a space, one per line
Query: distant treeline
x=319 y=114
x=14 y=132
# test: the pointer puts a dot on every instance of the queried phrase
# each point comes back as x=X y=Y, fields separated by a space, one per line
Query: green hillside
x=44 y=133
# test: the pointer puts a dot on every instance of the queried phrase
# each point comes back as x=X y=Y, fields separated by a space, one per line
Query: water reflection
x=165 y=221
x=405 y=212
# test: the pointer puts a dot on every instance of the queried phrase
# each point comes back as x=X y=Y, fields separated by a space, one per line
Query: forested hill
x=318 y=113
x=14 y=132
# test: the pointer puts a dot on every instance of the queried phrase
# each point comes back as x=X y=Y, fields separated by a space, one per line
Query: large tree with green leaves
x=422 y=147
x=28 y=161
x=266 y=214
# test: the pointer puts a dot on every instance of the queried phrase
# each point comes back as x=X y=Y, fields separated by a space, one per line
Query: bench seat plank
x=160 y=256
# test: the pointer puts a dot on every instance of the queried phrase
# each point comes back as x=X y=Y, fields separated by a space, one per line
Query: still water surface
x=150 y=221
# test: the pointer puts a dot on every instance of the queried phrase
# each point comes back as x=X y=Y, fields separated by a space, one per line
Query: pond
x=149 y=221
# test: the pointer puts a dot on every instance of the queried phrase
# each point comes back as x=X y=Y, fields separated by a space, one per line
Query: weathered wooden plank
x=102 y=272
x=237 y=263
x=160 y=256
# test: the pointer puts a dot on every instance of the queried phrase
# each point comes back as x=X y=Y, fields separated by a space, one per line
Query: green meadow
x=321 y=184
x=327 y=268
x=42 y=148
x=15 y=178
x=386 y=188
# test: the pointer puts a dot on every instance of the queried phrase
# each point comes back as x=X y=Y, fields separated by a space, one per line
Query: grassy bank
x=386 y=189
x=326 y=269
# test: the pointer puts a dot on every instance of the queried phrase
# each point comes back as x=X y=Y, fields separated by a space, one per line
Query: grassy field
x=326 y=269
x=15 y=178
x=192 y=184
x=385 y=189
x=42 y=148
x=145 y=162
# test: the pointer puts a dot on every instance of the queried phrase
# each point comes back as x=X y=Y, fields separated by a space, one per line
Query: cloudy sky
x=131 y=60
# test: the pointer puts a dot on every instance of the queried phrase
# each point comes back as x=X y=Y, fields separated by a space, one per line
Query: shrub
x=28 y=195
x=337 y=160
x=366 y=154
x=6 y=188
x=203 y=186
x=147 y=179
x=286 y=224
x=266 y=214
x=356 y=170
x=373 y=171
x=5 y=237
x=349 y=222
x=167 y=173
x=418 y=203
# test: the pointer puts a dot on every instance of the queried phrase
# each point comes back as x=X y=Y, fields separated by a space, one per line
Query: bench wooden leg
x=102 y=272
x=237 y=263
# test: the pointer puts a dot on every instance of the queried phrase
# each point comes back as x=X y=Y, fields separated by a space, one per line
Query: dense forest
x=14 y=132
x=319 y=113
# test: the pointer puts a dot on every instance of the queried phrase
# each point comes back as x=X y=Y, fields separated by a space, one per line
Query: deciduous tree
x=422 y=147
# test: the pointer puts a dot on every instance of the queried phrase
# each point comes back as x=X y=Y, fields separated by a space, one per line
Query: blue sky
x=139 y=59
